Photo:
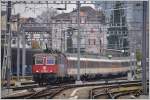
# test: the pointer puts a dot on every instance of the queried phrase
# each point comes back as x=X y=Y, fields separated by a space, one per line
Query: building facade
x=14 y=30
x=92 y=31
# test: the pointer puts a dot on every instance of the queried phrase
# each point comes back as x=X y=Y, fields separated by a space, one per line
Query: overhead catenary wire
x=72 y=23
x=54 y=2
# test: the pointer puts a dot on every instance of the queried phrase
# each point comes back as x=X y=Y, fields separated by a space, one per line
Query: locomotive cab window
x=39 y=60
x=50 y=60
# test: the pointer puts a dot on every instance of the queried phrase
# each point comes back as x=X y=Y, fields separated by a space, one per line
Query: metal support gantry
x=18 y=47
x=23 y=53
x=51 y=2
x=144 y=47
x=6 y=67
x=78 y=40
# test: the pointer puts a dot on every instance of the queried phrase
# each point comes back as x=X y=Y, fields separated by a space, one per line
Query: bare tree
x=46 y=16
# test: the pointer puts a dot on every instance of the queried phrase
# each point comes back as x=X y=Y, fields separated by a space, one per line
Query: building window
x=92 y=30
x=14 y=41
x=94 y=41
x=85 y=20
x=120 y=32
x=100 y=42
x=111 y=33
x=138 y=4
x=82 y=20
x=55 y=30
x=28 y=43
x=100 y=30
x=89 y=41
x=74 y=20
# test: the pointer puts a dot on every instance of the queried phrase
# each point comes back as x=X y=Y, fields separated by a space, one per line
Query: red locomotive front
x=44 y=63
x=49 y=68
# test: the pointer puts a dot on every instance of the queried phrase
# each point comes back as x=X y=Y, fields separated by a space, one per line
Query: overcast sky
x=32 y=10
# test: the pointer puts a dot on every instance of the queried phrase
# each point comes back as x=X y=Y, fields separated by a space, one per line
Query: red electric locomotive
x=48 y=68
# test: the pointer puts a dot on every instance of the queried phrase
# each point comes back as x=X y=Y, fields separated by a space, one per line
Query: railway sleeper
x=102 y=92
x=56 y=92
x=40 y=95
x=92 y=94
x=110 y=95
x=18 y=97
x=138 y=93
x=98 y=95
x=121 y=94
x=36 y=93
x=31 y=90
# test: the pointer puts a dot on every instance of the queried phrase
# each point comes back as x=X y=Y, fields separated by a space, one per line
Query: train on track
x=57 y=68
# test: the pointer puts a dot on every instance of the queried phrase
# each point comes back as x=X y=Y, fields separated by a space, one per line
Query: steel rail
x=60 y=88
x=106 y=89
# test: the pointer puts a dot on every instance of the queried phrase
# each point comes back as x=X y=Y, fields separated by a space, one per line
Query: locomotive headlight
x=44 y=67
x=37 y=71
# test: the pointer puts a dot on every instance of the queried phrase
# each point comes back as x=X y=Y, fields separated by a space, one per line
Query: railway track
x=47 y=93
x=24 y=87
x=115 y=91
x=50 y=91
x=29 y=85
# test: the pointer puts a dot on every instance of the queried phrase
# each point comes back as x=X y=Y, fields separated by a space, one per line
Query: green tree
x=138 y=55
x=138 y=58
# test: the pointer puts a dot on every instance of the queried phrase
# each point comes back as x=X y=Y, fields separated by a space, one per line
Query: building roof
x=23 y=19
x=62 y=16
x=87 y=10
x=27 y=20
x=37 y=29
